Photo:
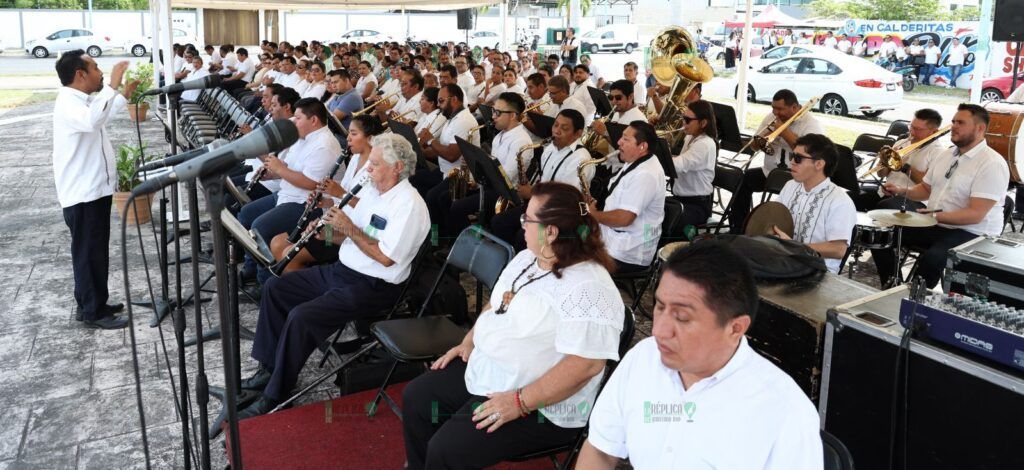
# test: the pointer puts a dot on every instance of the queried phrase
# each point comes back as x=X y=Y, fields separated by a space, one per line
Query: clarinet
x=318 y=195
x=279 y=266
x=256 y=177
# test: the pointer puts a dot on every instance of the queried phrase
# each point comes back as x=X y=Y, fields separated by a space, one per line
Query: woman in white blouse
x=367 y=84
x=527 y=374
x=360 y=134
x=695 y=166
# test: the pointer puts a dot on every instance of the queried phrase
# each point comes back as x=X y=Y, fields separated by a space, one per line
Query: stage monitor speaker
x=465 y=16
x=1009 y=21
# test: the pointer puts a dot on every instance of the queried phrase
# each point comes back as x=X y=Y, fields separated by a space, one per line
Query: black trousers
x=935 y=241
x=439 y=432
x=742 y=200
x=622 y=267
x=258 y=191
x=696 y=211
x=870 y=200
x=506 y=226
x=424 y=180
x=458 y=215
x=439 y=204
x=299 y=310
x=89 y=223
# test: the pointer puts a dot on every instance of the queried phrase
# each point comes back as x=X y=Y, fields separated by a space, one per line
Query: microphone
x=272 y=137
x=181 y=157
x=208 y=81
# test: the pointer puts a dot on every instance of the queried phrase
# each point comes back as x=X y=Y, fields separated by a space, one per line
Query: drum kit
x=882 y=229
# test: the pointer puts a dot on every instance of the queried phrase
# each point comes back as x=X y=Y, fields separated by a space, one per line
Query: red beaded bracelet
x=519 y=403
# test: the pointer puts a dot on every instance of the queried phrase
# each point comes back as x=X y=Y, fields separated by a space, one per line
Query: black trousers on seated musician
x=696 y=211
x=457 y=218
x=439 y=204
x=508 y=227
x=439 y=432
x=870 y=200
x=742 y=200
x=300 y=310
x=935 y=241
x=89 y=223
x=425 y=179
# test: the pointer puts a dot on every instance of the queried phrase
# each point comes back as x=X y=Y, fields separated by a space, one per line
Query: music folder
x=409 y=133
x=615 y=131
x=486 y=114
x=542 y=124
x=600 y=98
x=487 y=171
x=664 y=155
x=250 y=240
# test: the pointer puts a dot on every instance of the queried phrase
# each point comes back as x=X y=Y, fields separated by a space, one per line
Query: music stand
x=541 y=124
x=407 y=131
x=615 y=131
x=600 y=99
x=251 y=241
x=487 y=172
x=664 y=156
x=486 y=114
x=727 y=127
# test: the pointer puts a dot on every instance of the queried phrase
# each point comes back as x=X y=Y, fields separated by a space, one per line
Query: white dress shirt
x=289 y=80
x=84 y=168
x=639 y=92
x=920 y=160
x=193 y=95
x=355 y=174
x=313 y=156
x=458 y=126
x=302 y=86
x=807 y=124
x=465 y=80
x=361 y=84
x=572 y=103
x=519 y=90
x=580 y=314
x=980 y=173
x=401 y=226
x=560 y=164
x=474 y=92
x=248 y=69
x=580 y=93
x=956 y=54
x=695 y=167
x=504 y=148
x=495 y=91
x=632 y=114
x=642 y=192
x=747 y=415
x=823 y=214
x=390 y=86
x=1017 y=96
x=931 y=55
x=315 y=90
x=434 y=119
x=887 y=49
x=411 y=106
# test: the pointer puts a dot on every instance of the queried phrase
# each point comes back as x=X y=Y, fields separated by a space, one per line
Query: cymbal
x=902 y=219
x=766 y=216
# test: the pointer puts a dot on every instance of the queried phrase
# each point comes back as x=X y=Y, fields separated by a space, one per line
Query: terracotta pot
x=137 y=112
x=144 y=204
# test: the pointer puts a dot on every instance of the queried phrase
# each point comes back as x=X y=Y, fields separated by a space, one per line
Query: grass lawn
x=15 y=98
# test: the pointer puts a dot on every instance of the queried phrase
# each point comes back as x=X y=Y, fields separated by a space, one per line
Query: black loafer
x=110 y=310
x=260 y=407
x=108 y=322
x=257 y=381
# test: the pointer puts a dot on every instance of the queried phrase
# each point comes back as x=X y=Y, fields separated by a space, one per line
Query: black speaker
x=465 y=16
x=1008 y=21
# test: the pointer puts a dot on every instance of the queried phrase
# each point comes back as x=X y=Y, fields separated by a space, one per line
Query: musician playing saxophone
x=633 y=212
x=512 y=137
x=784 y=106
x=926 y=122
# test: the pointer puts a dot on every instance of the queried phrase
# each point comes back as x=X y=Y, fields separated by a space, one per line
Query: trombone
x=894 y=159
x=375 y=103
x=766 y=138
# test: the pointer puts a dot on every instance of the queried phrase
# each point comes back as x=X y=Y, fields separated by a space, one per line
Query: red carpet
x=333 y=434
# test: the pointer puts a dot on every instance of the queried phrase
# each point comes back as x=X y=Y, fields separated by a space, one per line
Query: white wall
x=118 y=25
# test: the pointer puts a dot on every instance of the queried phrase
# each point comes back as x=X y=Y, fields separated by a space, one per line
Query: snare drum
x=1005 y=134
x=667 y=250
x=872 y=235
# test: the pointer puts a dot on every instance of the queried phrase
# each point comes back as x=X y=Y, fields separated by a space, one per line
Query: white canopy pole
x=982 y=51
x=504 y=26
x=575 y=13
x=741 y=79
x=263 y=24
x=405 y=21
x=154 y=28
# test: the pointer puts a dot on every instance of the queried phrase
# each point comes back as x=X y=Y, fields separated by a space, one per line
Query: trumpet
x=765 y=139
x=375 y=103
x=895 y=159
x=539 y=106
x=400 y=117
x=502 y=204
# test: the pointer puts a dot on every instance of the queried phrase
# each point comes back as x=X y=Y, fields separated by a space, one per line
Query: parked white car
x=139 y=46
x=484 y=39
x=365 y=35
x=69 y=39
x=845 y=83
x=779 y=52
x=614 y=37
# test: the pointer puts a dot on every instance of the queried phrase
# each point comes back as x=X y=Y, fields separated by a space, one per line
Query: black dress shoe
x=108 y=322
x=259 y=407
x=109 y=310
x=257 y=381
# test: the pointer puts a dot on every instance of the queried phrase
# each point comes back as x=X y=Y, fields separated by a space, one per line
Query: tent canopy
x=434 y=5
x=770 y=17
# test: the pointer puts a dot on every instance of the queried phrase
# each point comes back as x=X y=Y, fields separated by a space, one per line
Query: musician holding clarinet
x=85 y=174
x=378 y=241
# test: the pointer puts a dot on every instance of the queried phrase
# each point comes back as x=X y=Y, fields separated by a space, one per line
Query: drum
x=872 y=235
x=1004 y=134
x=667 y=250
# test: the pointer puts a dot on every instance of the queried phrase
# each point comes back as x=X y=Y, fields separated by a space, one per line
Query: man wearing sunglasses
x=625 y=112
x=823 y=214
x=965 y=188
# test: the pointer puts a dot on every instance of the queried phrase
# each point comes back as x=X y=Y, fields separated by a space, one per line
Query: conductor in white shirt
x=85 y=174
x=695 y=394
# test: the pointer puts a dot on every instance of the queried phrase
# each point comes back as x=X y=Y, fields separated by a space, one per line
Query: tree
x=895 y=10
x=831 y=9
x=962 y=14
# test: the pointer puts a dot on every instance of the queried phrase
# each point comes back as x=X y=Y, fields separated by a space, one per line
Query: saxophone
x=584 y=181
x=459 y=179
x=502 y=204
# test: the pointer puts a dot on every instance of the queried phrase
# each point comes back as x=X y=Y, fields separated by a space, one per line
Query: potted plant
x=139 y=105
x=127 y=156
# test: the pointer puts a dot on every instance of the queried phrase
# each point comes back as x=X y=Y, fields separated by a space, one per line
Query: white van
x=613 y=37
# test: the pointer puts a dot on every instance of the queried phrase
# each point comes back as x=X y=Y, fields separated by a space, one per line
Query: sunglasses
x=688 y=119
x=616 y=97
x=799 y=158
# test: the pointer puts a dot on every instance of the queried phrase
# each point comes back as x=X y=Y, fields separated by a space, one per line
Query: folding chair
x=774 y=183
x=837 y=456
x=476 y=252
x=727 y=178
x=898 y=129
x=673 y=211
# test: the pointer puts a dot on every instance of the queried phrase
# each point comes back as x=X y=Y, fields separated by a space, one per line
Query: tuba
x=675 y=63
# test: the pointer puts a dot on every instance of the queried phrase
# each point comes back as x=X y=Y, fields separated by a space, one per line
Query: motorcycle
x=909 y=73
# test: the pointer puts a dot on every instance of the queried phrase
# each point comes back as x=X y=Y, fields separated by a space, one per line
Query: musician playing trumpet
x=925 y=124
x=377 y=243
x=408 y=105
x=444 y=150
x=784 y=107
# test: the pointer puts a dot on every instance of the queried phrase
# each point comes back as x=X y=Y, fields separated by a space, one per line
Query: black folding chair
x=646 y=277
x=476 y=252
x=872 y=143
x=727 y=178
x=898 y=129
x=625 y=338
x=774 y=183
x=837 y=456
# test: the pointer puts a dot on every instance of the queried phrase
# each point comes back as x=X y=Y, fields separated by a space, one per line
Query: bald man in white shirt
x=85 y=174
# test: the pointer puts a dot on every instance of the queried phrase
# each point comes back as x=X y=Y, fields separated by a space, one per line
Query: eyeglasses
x=523 y=220
x=688 y=119
x=498 y=112
x=799 y=158
x=616 y=97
